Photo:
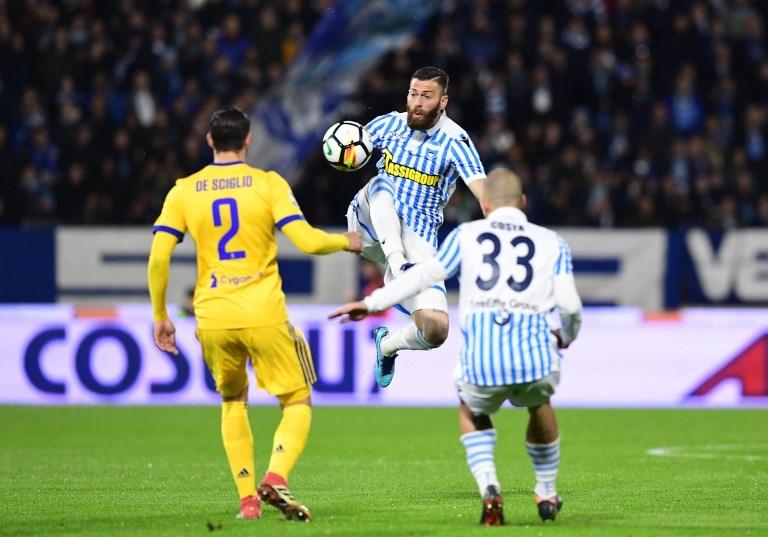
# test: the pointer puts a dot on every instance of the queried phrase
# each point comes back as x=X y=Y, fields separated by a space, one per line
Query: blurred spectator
x=621 y=113
x=614 y=113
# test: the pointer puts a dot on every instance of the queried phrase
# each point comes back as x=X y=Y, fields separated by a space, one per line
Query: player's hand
x=355 y=241
x=165 y=336
x=353 y=311
x=561 y=344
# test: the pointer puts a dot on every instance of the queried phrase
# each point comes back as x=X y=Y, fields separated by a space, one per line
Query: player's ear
x=209 y=140
x=443 y=102
x=523 y=202
x=248 y=140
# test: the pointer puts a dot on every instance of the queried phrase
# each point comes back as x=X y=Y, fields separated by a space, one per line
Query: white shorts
x=416 y=250
x=488 y=399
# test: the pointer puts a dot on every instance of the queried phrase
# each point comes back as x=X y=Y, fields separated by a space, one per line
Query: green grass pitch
x=118 y=471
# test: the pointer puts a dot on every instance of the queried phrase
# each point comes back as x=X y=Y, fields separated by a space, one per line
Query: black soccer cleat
x=549 y=508
x=493 y=508
x=281 y=497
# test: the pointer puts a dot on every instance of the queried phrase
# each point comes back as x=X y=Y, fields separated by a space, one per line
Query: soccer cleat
x=405 y=266
x=280 y=497
x=250 y=508
x=548 y=508
x=493 y=508
x=384 y=369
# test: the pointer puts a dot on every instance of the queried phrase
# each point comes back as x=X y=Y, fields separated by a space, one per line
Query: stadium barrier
x=58 y=355
x=649 y=268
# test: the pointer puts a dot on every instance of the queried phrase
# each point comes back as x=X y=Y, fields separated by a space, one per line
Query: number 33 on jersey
x=506 y=263
x=231 y=211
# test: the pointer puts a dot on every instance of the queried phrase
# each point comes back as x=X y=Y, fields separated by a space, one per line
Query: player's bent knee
x=231 y=393
x=298 y=397
x=435 y=332
x=433 y=325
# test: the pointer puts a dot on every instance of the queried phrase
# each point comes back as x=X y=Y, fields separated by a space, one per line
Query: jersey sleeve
x=171 y=219
x=564 y=263
x=377 y=127
x=285 y=208
x=465 y=160
x=449 y=253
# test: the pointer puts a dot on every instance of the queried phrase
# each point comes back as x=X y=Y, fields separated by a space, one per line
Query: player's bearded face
x=423 y=104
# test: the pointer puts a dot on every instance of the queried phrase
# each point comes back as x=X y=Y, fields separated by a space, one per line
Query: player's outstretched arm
x=158 y=269
x=408 y=284
x=315 y=241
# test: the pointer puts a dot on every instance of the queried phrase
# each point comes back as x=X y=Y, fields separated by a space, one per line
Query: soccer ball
x=347 y=146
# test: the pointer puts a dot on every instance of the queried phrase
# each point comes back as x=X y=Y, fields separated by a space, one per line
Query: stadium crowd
x=614 y=112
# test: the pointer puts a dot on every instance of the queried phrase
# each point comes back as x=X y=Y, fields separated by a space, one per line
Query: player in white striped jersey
x=514 y=276
x=424 y=154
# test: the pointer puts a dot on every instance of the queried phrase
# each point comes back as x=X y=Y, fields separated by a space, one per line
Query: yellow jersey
x=232 y=210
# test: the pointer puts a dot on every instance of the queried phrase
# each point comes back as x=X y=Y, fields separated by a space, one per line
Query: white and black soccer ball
x=347 y=146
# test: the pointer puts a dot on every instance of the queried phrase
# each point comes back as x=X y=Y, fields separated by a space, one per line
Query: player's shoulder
x=181 y=184
x=545 y=233
x=453 y=130
x=472 y=226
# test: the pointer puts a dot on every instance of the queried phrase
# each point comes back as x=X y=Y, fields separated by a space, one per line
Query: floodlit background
x=640 y=130
x=638 y=127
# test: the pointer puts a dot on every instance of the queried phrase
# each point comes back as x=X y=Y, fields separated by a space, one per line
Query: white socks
x=386 y=223
x=407 y=338
x=479 y=446
x=546 y=461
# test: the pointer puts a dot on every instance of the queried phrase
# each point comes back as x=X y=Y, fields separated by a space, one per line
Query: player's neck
x=223 y=157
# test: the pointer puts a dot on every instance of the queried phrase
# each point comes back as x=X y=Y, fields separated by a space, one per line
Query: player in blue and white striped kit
x=424 y=154
x=514 y=276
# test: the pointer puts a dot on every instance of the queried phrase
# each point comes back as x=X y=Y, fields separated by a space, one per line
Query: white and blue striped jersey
x=513 y=274
x=419 y=169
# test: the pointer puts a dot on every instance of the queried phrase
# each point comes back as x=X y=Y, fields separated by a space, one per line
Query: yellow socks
x=238 y=443
x=290 y=439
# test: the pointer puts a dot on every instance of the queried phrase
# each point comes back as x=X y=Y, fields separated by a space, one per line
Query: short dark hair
x=433 y=73
x=229 y=126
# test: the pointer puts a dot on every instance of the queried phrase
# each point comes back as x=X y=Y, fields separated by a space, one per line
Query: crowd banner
x=290 y=120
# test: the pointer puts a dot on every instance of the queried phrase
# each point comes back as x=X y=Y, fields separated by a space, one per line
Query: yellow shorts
x=280 y=356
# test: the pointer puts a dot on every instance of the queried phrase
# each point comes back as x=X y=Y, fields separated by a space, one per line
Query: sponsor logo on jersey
x=406 y=172
x=229 y=280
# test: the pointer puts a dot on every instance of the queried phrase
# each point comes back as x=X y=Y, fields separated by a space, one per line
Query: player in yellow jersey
x=231 y=210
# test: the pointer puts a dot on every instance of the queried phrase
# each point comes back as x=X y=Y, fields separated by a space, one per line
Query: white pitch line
x=711 y=451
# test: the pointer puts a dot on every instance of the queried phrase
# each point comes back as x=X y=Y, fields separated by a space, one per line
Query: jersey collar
x=509 y=213
x=230 y=163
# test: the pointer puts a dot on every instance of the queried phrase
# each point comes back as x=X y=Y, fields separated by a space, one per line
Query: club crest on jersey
x=406 y=172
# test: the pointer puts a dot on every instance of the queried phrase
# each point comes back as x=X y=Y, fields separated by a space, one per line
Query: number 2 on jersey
x=217 y=207
x=522 y=260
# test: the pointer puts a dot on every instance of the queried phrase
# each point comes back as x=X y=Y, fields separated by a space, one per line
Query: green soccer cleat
x=384 y=369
